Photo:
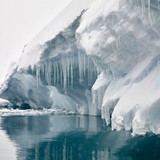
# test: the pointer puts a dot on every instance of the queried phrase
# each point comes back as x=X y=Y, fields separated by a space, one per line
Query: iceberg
x=96 y=58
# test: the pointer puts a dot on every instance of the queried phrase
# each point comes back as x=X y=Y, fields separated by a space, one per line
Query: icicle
x=84 y=65
x=61 y=73
x=80 y=66
x=68 y=70
x=54 y=73
x=64 y=71
x=57 y=74
x=149 y=10
x=88 y=66
x=142 y=5
x=46 y=72
x=49 y=73
x=43 y=70
x=37 y=74
x=71 y=68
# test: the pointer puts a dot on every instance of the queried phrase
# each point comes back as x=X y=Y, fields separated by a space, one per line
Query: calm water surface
x=62 y=137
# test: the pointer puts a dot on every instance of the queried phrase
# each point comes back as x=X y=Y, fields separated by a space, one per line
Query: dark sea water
x=62 y=137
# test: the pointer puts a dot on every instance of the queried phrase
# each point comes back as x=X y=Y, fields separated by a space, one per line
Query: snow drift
x=103 y=61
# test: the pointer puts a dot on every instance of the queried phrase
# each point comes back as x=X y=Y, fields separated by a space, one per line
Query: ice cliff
x=99 y=58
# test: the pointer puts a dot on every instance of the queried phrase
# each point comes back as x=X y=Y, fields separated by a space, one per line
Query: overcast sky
x=20 y=21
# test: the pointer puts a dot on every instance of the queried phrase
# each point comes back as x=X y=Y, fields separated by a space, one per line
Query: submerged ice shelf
x=105 y=62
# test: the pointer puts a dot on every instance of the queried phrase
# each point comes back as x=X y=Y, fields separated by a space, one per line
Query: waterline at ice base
x=97 y=57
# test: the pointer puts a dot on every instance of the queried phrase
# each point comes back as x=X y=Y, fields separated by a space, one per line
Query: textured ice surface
x=125 y=37
x=104 y=61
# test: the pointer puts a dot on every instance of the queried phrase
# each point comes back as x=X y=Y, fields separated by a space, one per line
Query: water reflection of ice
x=62 y=137
x=70 y=137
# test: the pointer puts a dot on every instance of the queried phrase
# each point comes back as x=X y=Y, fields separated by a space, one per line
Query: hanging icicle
x=38 y=74
x=149 y=10
x=64 y=69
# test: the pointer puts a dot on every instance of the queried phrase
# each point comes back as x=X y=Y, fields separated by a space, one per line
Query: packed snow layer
x=138 y=106
x=33 y=49
x=103 y=61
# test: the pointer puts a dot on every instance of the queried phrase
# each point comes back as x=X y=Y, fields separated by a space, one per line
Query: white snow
x=138 y=106
x=98 y=8
x=33 y=49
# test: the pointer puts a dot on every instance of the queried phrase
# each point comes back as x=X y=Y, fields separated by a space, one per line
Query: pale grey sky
x=20 y=21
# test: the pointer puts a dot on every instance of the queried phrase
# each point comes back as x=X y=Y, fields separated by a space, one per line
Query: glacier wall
x=106 y=62
x=124 y=35
x=62 y=78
